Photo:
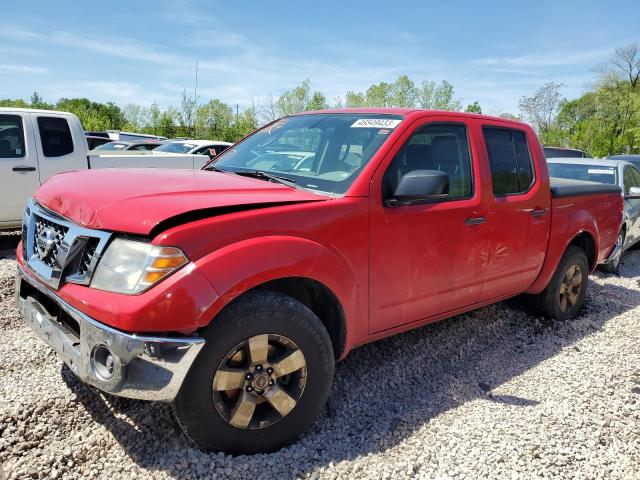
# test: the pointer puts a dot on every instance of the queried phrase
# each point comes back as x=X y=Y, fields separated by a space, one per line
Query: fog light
x=103 y=363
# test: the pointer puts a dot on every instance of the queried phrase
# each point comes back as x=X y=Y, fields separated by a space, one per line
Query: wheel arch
x=584 y=239
x=318 y=298
x=587 y=243
x=305 y=270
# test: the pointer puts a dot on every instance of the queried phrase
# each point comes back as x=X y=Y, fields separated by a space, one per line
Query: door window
x=636 y=176
x=510 y=161
x=434 y=147
x=55 y=136
x=11 y=137
x=630 y=180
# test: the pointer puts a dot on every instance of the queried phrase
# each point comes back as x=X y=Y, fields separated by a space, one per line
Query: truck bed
x=561 y=187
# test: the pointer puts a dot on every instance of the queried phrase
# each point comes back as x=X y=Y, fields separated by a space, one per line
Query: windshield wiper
x=266 y=176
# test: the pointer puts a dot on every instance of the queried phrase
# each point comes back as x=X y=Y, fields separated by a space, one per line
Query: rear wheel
x=261 y=379
x=563 y=297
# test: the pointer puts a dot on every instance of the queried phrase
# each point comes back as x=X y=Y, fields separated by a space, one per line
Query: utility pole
x=195 y=104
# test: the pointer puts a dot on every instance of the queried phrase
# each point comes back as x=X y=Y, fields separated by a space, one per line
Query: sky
x=250 y=51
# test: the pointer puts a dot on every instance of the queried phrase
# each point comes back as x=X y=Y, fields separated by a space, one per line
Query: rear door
x=61 y=143
x=513 y=250
x=423 y=258
x=18 y=166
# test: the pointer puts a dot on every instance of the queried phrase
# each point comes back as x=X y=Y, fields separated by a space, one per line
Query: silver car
x=614 y=172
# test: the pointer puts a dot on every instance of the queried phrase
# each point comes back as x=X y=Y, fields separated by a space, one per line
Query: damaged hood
x=137 y=200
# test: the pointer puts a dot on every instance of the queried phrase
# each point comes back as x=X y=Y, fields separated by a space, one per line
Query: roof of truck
x=33 y=110
x=408 y=111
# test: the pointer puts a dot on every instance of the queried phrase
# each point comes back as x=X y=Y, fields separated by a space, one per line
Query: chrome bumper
x=127 y=365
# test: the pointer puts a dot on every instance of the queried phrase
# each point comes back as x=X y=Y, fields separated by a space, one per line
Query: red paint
x=392 y=269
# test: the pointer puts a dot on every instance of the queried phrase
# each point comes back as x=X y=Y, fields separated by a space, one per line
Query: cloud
x=5 y=68
x=549 y=59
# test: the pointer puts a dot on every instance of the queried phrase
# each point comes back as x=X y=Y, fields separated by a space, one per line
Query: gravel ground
x=492 y=394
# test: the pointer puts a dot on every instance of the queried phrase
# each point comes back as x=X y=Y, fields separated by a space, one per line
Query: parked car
x=93 y=141
x=562 y=152
x=232 y=291
x=635 y=159
x=36 y=144
x=199 y=147
x=612 y=172
x=132 y=136
x=130 y=146
x=97 y=134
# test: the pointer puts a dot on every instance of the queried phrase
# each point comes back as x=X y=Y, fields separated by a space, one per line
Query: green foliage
x=473 y=108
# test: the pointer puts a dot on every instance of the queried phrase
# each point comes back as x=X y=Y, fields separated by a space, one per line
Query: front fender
x=243 y=265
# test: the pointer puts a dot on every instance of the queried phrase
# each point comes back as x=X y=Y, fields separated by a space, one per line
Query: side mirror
x=420 y=186
x=634 y=193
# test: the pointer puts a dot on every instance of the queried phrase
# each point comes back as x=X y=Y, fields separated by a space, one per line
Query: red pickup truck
x=232 y=291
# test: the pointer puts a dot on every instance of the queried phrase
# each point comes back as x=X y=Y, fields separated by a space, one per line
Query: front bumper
x=123 y=364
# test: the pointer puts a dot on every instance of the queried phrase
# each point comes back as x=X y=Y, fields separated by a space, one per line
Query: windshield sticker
x=601 y=171
x=376 y=123
x=383 y=131
x=273 y=127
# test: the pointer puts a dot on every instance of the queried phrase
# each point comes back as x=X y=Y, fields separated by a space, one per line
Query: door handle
x=24 y=169
x=538 y=212
x=475 y=221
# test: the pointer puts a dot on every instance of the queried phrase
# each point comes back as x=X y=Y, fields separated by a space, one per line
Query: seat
x=446 y=156
x=5 y=149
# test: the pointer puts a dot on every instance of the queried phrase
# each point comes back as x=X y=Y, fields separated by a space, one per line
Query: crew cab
x=232 y=291
x=36 y=144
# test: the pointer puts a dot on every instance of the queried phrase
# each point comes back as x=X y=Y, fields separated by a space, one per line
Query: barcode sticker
x=376 y=123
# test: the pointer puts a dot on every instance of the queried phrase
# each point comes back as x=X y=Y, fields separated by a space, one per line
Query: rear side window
x=11 y=137
x=55 y=136
x=510 y=161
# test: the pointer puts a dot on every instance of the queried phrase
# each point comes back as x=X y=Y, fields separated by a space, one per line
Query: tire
x=614 y=266
x=549 y=303
x=213 y=425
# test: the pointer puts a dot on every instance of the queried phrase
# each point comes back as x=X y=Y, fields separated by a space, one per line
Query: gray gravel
x=495 y=394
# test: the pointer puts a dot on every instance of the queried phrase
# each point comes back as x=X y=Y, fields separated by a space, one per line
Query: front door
x=18 y=167
x=424 y=258
x=631 y=178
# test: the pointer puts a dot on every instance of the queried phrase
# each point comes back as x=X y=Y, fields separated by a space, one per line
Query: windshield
x=322 y=152
x=175 y=147
x=590 y=173
x=112 y=146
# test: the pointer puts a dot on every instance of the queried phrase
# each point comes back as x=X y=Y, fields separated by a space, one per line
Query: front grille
x=48 y=237
x=59 y=251
x=87 y=255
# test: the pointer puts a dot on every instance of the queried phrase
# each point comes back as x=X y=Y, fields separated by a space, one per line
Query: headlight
x=131 y=267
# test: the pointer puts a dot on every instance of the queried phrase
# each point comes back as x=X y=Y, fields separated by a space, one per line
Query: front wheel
x=261 y=379
x=563 y=297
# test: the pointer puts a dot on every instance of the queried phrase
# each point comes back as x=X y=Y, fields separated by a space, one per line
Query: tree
x=403 y=93
x=354 y=100
x=38 y=102
x=626 y=62
x=473 y=108
x=293 y=101
x=187 y=115
x=438 y=97
x=541 y=108
x=318 y=102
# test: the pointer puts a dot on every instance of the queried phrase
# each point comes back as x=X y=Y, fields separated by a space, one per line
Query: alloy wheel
x=259 y=381
x=570 y=287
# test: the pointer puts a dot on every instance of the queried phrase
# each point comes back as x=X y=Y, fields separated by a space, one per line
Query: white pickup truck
x=37 y=144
